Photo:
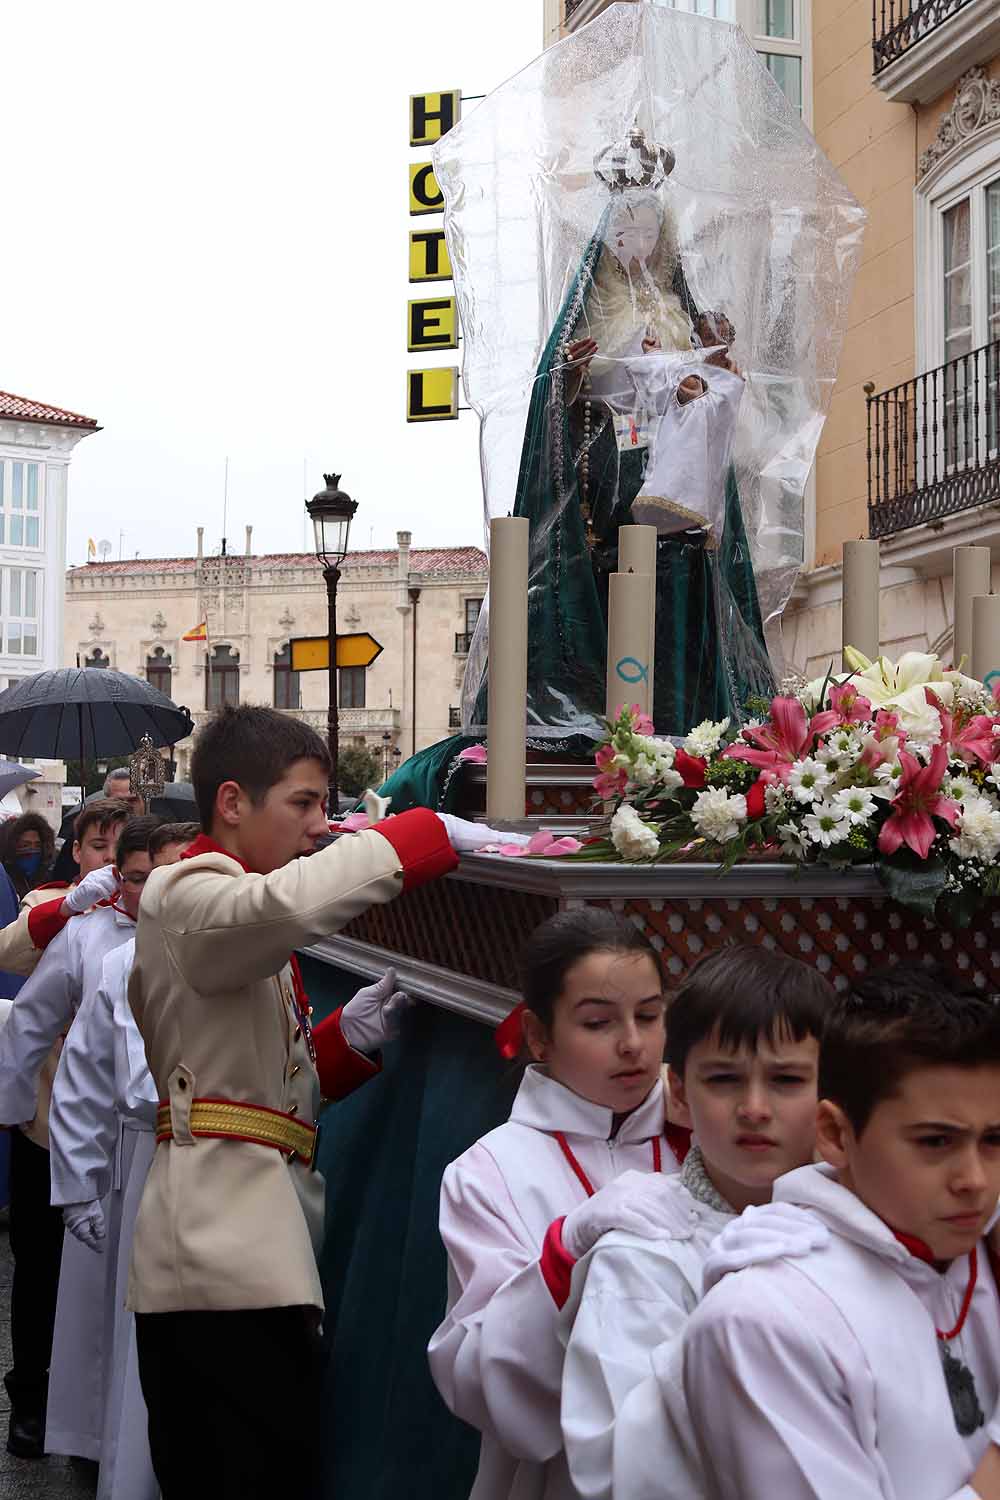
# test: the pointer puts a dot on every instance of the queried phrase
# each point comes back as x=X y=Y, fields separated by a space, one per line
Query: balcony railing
x=933 y=446
x=898 y=24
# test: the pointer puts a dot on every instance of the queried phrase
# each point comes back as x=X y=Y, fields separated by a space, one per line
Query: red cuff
x=556 y=1264
x=678 y=1138
x=45 y=922
x=419 y=838
x=341 y=1070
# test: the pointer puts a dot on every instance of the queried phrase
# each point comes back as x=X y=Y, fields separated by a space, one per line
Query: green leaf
x=918 y=884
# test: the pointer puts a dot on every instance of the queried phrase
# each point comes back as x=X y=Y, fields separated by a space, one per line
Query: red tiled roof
x=24 y=410
x=429 y=562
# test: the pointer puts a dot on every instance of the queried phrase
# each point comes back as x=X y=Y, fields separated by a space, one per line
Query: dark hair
x=103 y=813
x=134 y=837
x=252 y=746
x=896 y=1021
x=30 y=822
x=172 y=833
x=562 y=941
x=744 y=994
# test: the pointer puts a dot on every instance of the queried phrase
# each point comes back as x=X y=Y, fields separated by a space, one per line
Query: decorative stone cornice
x=976 y=106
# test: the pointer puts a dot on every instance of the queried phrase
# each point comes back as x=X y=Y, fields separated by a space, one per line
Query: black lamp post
x=331 y=512
x=386 y=742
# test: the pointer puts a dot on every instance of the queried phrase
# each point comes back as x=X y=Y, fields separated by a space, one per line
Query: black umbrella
x=80 y=713
x=176 y=802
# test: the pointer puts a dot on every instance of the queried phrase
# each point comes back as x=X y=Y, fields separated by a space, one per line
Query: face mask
x=28 y=864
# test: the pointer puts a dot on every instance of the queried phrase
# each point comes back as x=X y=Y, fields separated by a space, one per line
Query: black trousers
x=36 y=1241
x=233 y=1401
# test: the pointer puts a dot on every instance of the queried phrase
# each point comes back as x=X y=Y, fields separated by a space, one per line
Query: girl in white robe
x=527 y=1200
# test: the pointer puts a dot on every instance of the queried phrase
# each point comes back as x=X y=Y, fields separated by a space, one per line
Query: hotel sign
x=432 y=321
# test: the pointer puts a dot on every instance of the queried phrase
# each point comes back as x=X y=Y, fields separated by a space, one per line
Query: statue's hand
x=651 y=344
x=579 y=354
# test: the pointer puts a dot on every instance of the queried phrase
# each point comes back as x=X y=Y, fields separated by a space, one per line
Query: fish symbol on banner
x=635 y=672
x=990 y=680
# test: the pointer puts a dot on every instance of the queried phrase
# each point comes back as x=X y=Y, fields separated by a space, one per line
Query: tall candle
x=507 y=692
x=637 y=554
x=986 y=639
x=971 y=576
x=631 y=605
x=861 y=596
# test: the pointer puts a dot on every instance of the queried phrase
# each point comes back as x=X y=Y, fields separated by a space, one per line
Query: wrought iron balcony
x=934 y=443
x=898 y=24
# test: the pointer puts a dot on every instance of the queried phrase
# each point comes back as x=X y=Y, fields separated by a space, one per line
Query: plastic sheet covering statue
x=653 y=261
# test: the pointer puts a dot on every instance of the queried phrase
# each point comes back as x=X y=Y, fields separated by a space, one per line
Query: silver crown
x=633 y=163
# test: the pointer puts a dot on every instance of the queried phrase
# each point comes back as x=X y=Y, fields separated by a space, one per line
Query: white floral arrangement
x=892 y=764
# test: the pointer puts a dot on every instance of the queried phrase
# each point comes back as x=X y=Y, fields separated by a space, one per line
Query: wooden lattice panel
x=546 y=801
x=844 y=937
x=473 y=929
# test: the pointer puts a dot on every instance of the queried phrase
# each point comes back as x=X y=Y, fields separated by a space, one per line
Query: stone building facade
x=420 y=604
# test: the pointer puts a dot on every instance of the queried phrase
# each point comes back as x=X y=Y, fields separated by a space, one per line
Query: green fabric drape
x=386 y=1431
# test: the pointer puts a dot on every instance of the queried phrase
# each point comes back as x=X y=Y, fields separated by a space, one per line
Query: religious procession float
x=653 y=262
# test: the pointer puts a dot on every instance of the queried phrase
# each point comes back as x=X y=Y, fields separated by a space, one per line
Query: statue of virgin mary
x=631 y=419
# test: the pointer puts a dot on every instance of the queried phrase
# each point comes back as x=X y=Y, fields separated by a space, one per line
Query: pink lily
x=917 y=803
x=847 y=702
x=885 y=741
x=475 y=754
x=641 y=723
x=609 y=783
x=786 y=737
x=970 y=739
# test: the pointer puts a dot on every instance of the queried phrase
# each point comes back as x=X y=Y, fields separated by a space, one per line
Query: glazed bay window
x=21 y=491
x=779 y=32
x=22 y=597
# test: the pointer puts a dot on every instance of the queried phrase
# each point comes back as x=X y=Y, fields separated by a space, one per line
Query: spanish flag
x=198 y=633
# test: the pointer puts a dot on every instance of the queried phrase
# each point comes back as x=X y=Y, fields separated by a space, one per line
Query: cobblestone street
x=44 y=1479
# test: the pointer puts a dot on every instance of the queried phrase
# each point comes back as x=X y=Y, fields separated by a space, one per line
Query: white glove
x=85 y=1221
x=640 y=1203
x=466 y=837
x=374 y=1015
x=99 y=885
x=760 y=1234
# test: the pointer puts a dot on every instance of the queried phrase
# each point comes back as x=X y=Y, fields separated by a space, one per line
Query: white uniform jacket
x=22 y=943
x=227 y=1223
x=629 y=1296
x=44 y=1008
x=497 y=1357
x=820 y=1378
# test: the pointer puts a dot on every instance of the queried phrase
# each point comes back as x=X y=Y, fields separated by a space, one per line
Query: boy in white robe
x=869 y=1368
x=69 y=970
x=743 y=1048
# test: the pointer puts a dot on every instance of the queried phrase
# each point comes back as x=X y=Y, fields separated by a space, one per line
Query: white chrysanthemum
x=827 y=825
x=808 y=779
x=703 y=741
x=794 y=840
x=669 y=779
x=632 y=838
x=993 y=774
x=959 y=788
x=856 y=803
x=978 y=831
x=718 y=814
x=775 y=797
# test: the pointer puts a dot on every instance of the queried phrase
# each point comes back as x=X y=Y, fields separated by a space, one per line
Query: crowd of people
x=733 y=1241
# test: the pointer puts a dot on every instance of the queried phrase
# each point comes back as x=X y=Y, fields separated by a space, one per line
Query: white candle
x=861 y=596
x=507 y=693
x=631 y=604
x=986 y=639
x=637 y=554
x=971 y=576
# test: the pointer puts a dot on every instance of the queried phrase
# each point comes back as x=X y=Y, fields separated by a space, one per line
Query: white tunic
x=102 y=1142
x=629 y=1297
x=68 y=972
x=497 y=1357
x=819 y=1378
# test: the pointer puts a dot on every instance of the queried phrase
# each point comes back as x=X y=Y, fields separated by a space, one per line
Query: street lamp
x=331 y=512
x=386 y=742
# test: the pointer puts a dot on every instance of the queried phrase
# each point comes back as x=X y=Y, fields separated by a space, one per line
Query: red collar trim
x=54 y=885
x=916 y=1247
x=205 y=845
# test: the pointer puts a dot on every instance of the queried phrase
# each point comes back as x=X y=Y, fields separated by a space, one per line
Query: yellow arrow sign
x=311 y=653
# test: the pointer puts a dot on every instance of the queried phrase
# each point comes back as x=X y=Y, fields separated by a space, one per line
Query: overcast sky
x=205 y=221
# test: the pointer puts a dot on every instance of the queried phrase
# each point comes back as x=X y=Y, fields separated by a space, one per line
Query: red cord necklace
x=580 y=1174
x=958 y=1378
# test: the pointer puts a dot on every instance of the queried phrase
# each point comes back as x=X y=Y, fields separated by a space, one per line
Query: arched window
x=222 y=677
x=287 y=693
x=97 y=658
x=159 y=670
